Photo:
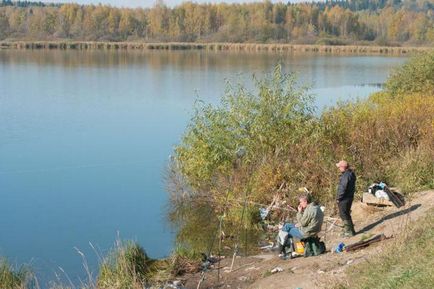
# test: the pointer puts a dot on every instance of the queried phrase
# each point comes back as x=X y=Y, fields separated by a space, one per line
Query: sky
x=149 y=3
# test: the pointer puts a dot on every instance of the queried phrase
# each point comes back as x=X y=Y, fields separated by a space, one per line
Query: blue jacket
x=347 y=185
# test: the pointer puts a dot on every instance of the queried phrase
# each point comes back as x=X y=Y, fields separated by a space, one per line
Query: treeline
x=357 y=5
x=344 y=22
x=26 y=3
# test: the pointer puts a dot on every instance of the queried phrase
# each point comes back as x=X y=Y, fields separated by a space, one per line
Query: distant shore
x=241 y=47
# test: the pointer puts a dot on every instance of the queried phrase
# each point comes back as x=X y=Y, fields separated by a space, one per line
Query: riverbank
x=238 y=47
x=369 y=266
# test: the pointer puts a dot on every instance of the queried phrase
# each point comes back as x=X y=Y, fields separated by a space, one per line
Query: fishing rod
x=288 y=208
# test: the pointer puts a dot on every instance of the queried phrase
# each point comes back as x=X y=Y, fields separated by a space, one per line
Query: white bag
x=281 y=238
x=380 y=194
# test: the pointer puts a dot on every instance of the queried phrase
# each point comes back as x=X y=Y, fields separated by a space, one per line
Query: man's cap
x=342 y=164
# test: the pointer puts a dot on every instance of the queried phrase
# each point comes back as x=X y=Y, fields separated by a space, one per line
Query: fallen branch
x=363 y=244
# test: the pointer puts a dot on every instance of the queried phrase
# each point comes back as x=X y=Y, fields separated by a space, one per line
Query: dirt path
x=314 y=272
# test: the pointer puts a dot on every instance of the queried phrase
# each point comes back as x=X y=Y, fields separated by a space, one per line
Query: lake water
x=85 y=138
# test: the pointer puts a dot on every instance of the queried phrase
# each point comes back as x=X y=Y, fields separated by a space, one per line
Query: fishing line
x=76 y=167
x=241 y=202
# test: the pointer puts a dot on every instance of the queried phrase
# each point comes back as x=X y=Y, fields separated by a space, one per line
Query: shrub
x=262 y=122
x=227 y=149
x=376 y=134
x=416 y=76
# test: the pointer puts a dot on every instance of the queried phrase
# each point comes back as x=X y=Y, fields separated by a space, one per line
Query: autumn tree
x=343 y=22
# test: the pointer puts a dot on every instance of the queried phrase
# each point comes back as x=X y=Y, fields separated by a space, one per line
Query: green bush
x=252 y=143
x=416 y=76
x=263 y=122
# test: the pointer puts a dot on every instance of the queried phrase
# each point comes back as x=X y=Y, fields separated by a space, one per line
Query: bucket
x=299 y=248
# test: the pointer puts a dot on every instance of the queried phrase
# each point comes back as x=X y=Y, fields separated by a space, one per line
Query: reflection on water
x=85 y=136
x=320 y=66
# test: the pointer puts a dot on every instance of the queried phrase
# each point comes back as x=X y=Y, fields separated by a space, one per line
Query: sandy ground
x=316 y=272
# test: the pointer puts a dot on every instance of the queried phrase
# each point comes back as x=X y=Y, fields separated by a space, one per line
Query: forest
x=361 y=22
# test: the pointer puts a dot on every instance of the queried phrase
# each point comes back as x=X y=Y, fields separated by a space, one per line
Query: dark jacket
x=347 y=185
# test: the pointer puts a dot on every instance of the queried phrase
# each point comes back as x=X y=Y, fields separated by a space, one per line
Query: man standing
x=345 y=196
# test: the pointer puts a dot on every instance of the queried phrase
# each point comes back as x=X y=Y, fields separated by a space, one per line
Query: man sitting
x=309 y=217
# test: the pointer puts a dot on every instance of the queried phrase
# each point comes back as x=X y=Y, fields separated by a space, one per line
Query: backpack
x=314 y=247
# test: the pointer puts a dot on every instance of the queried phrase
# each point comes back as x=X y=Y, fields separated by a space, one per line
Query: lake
x=85 y=137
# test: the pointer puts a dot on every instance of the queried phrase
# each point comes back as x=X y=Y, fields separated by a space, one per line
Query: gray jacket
x=310 y=220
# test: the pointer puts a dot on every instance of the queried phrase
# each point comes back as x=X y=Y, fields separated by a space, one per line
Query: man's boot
x=348 y=229
x=353 y=232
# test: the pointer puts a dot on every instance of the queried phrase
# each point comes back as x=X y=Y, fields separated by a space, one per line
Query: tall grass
x=247 y=47
x=12 y=278
x=126 y=267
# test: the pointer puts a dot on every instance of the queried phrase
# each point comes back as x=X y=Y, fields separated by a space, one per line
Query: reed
x=238 y=47
x=14 y=278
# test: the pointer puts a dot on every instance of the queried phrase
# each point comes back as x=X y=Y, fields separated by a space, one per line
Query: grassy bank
x=126 y=266
x=242 y=47
x=406 y=264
